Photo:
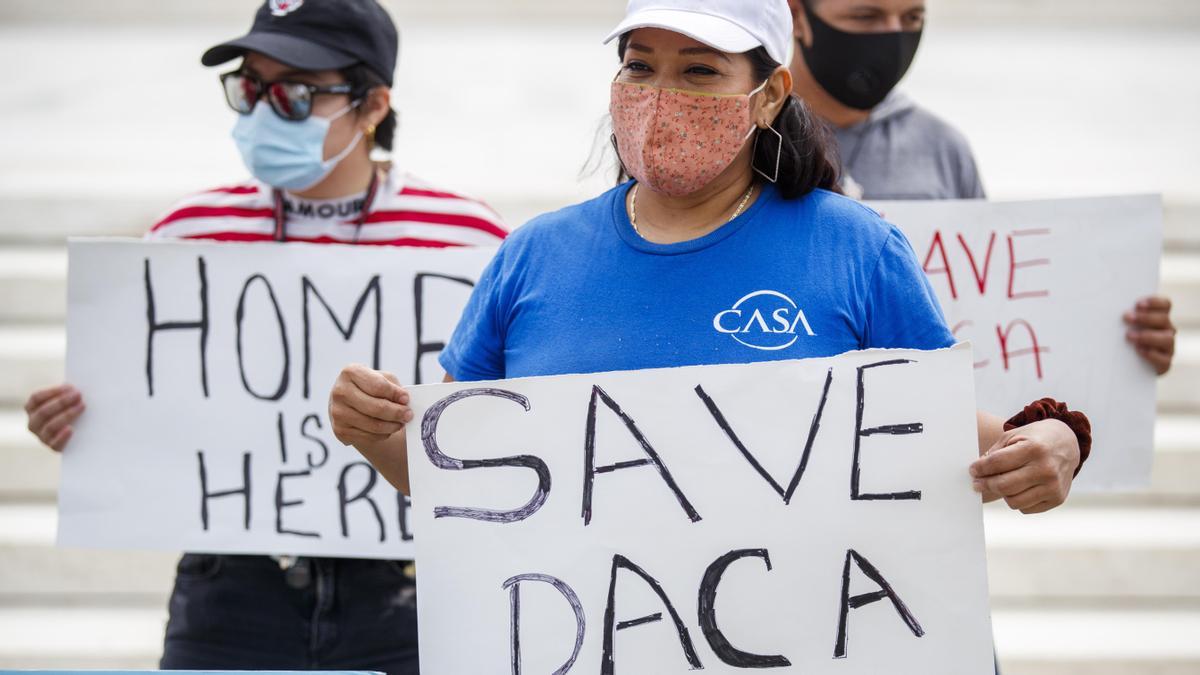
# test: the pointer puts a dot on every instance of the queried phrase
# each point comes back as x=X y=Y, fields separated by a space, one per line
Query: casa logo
x=284 y=7
x=766 y=320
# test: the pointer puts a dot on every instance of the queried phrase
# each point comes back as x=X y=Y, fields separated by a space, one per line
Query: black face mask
x=857 y=69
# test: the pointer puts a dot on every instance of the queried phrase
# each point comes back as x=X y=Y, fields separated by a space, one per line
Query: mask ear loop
x=336 y=159
x=341 y=113
x=748 y=97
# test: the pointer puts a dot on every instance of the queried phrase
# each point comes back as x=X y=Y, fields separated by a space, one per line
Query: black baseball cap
x=318 y=35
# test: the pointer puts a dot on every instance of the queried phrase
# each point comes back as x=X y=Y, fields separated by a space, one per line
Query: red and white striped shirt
x=406 y=212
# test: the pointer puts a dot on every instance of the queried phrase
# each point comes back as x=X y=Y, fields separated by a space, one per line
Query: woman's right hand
x=369 y=410
x=51 y=413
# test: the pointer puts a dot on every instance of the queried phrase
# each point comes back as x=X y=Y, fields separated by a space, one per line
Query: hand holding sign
x=366 y=409
x=1151 y=332
x=1031 y=467
x=367 y=406
x=51 y=413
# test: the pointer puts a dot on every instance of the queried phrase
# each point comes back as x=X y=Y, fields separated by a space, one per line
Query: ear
x=800 y=28
x=775 y=95
x=375 y=107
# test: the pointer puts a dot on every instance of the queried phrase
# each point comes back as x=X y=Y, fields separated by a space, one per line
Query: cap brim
x=287 y=49
x=714 y=31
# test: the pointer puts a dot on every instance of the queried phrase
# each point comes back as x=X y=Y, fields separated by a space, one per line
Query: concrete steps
x=1080 y=553
x=107 y=636
x=1181 y=282
x=33 y=570
x=1179 y=389
x=30 y=357
x=33 y=284
x=1087 y=641
x=30 y=471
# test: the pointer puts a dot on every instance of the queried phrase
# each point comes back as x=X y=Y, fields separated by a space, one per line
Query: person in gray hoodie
x=851 y=55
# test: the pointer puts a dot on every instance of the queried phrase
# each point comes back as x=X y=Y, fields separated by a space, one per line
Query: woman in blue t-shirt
x=728 y=246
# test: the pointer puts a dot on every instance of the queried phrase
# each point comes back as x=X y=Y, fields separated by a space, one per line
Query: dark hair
x=363 y=80
x=808 y=157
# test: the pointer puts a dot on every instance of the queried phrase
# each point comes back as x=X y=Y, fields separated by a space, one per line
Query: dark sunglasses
x=290 y=100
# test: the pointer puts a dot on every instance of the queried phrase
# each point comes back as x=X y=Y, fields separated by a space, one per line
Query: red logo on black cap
x=284 y=7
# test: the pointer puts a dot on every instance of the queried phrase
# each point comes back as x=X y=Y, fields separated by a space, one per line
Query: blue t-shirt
x=579 y=291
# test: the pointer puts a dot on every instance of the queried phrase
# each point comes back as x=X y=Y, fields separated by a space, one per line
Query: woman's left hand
x=1031 y=467
x=1151 y=332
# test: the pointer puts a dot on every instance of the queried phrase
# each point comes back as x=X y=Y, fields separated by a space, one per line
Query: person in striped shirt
x=406 y=211
x=312 y=93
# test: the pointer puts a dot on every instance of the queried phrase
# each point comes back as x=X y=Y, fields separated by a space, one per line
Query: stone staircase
x=1108 y=585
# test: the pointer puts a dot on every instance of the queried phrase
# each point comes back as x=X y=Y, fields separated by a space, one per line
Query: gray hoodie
x=903 y=151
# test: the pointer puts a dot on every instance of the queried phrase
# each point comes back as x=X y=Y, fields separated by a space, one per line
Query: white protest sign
x=1039 y=288
x=808 y=516
x=206 y=369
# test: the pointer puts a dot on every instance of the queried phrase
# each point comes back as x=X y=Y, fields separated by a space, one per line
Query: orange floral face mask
x=674 y=141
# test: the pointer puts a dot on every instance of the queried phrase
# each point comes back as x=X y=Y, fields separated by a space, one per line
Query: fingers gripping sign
x=369 y=410
x=367 y=406
x=52 y=412
x=1151 y=332
x=1030 y=467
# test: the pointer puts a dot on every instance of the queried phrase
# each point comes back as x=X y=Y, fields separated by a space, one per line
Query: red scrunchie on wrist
x=1049 y=409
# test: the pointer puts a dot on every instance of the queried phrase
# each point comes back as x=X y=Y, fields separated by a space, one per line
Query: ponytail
x=362 y=80
x=807 y=155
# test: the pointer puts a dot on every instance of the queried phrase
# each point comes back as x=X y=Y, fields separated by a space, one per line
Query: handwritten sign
x=805 y=516
x=206 y=369
x=1039 y=288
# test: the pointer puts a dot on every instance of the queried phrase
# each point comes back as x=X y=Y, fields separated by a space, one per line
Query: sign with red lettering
x=1039 y=289
x=810 y=516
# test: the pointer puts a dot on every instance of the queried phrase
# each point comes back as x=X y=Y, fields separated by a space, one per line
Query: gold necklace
x=633 y=207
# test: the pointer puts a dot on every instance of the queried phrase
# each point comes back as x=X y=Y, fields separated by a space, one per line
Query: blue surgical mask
x=285 y=154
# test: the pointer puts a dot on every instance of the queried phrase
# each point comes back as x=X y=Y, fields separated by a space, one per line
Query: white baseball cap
x=732 y=26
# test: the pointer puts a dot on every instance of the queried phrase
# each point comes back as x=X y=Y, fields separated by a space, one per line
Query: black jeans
x=247 y=613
